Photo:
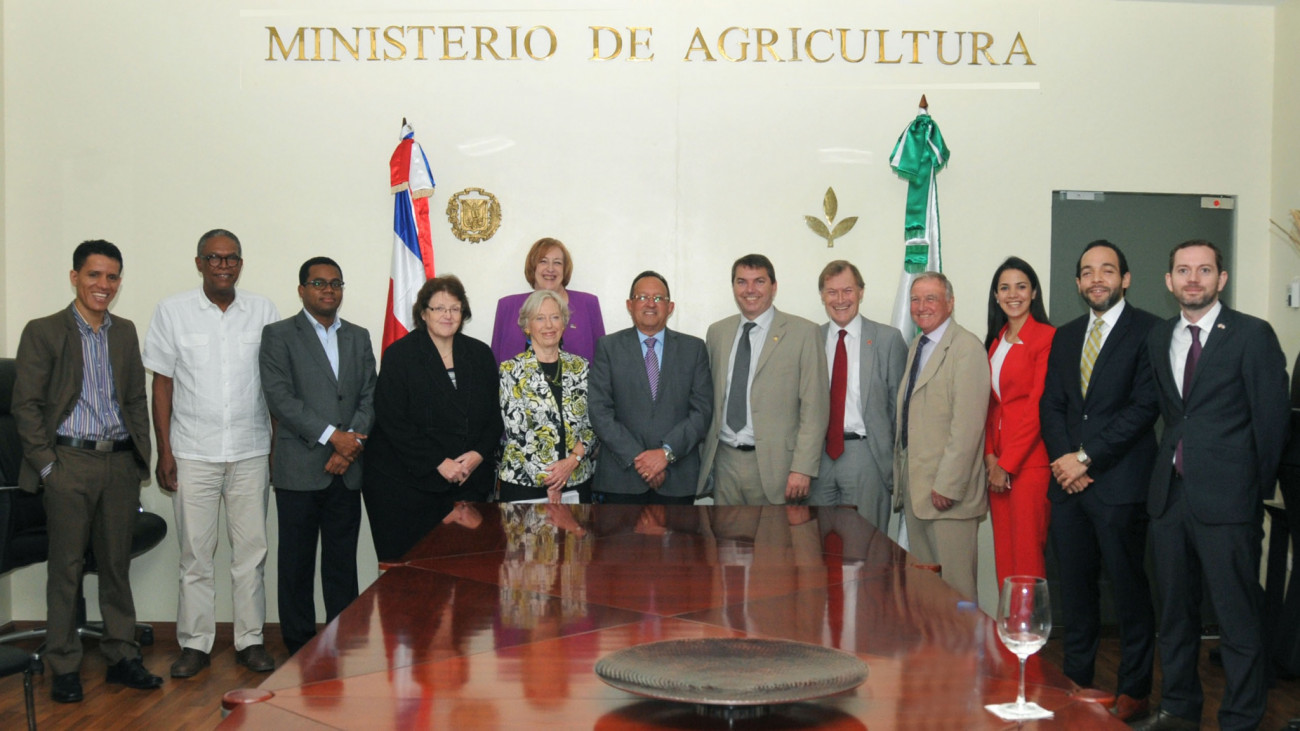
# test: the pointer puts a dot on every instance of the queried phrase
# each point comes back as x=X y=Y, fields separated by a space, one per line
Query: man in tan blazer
x=938 y=456
x=771 y=396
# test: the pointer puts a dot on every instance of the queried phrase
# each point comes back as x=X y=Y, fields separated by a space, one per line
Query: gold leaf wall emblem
x=475 y=215
x=831 y=205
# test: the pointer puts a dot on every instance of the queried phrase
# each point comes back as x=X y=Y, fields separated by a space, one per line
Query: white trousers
x=203 y=486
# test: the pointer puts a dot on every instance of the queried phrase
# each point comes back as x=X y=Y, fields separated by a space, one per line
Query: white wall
x=1285 y=161
x=148 y=122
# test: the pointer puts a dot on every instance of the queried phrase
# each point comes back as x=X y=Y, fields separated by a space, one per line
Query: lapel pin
x=868 y=342
x=1220 y=326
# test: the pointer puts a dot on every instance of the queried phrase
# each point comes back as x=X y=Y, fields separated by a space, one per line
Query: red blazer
x=1012 y=431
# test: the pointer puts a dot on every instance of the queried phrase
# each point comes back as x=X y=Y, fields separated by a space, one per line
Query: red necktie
x=839 y=391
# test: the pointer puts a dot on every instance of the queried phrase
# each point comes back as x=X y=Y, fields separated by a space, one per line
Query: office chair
x=23 y=537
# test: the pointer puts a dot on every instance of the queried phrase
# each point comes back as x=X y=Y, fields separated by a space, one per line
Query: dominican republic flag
x=918 y=157
x=412 y=185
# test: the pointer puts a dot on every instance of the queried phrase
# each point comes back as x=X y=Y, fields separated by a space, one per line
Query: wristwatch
x=1083 y=457
x=668 y=452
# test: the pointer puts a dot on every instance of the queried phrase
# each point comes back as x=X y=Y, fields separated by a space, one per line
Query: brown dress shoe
x=190 y=663
x=255 y=658
x=1128 y=708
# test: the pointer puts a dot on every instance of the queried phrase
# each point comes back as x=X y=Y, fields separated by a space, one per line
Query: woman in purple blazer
x=549 y=266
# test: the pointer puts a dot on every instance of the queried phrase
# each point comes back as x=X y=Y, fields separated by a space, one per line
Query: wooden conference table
x=497 y=619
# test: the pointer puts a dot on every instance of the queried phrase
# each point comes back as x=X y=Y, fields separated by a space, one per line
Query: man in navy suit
x=1221 y=378
x=650 y=396
x=318 y=374
x=1100 y=439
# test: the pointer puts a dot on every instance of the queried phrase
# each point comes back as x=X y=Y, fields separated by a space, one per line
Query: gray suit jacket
x=945 y=440
x=882 y=368
x=48 y=383
x=628 y=421
x=305 y=397
x=789 y=398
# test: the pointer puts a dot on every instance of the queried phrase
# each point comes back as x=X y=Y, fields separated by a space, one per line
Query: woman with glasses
x=549 y=441
x=436 y=422
x=549 y=267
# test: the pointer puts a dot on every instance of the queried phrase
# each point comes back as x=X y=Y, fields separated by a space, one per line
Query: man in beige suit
x=770 y=396
x=938 y=454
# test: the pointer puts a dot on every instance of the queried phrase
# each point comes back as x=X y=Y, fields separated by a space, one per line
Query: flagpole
x=411 y=182
x=918 y=156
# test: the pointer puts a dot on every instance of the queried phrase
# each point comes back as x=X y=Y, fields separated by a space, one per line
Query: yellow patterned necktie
x=1090 y=350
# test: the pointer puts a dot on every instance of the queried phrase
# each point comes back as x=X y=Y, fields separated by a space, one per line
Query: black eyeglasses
x=323 y=283
x=655 y=298
x=440 y=310
x=230 y=260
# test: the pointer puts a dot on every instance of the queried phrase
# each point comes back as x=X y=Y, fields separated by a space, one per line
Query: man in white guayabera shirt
x=214 y=435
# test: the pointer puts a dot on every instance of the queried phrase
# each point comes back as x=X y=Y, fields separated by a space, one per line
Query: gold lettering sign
x=734 y=44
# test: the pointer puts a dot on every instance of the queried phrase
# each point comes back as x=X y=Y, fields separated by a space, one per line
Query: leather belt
x=96 y=445
x=853 y=437
x=742 y=447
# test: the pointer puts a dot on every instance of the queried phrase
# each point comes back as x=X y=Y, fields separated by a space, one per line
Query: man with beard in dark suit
x=1097 y=412
x=1221 y=378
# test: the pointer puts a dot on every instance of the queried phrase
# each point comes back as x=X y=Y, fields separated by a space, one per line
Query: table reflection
x=499 y=615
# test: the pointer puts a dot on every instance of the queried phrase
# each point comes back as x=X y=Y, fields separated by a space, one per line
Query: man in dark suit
x=318 y=374
x=866 y=362
x=1221 y=377
x=770 y=396
x=83 y=421
x=650 y=396
x=1097 y=412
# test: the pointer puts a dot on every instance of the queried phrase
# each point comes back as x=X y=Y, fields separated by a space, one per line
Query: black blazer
x=421 y=419
x=1233 y=425
x=1114 y=423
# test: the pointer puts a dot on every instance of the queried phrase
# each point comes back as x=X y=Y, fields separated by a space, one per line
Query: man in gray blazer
x=939 y=454
x=866 y=361
x=770 y=396
x=650 y=397
x=318 y=374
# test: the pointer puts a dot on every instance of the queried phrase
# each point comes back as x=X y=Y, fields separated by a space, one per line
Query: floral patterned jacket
x=532 y=417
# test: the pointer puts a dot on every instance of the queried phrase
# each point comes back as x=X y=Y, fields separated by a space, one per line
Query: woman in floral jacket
x=543 y=394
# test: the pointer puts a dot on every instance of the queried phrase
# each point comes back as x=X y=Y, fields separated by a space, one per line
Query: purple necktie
x=1189 y=369
x=652 y=367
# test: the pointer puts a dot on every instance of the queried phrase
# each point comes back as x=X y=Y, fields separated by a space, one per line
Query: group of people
x=226 y=370
x=1049 y=431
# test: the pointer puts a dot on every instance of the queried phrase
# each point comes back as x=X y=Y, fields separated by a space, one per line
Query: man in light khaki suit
x=771 y=397
x=938 y=457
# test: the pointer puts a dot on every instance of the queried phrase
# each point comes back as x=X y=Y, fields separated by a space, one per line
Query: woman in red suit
x=1018 y=341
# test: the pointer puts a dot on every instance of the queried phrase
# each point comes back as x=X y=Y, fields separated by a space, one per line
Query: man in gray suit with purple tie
x=650 y=396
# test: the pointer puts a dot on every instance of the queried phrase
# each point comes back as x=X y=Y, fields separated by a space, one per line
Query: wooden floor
x=196 y=703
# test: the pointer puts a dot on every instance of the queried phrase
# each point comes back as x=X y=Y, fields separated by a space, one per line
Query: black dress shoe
x=66 y=688
x=132 y=673
x=1161 y=720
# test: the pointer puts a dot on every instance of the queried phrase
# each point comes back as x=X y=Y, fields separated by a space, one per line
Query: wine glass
x=1024 y=622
